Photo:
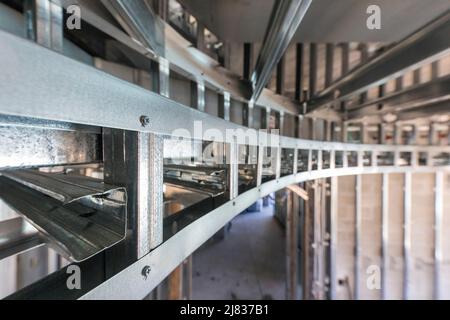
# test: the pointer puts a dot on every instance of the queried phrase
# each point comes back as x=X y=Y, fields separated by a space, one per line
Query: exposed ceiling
x=326 y=21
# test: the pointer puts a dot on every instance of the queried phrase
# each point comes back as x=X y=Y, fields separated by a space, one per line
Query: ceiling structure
x=326 y=21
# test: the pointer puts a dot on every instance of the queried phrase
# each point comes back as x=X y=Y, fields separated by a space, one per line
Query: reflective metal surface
x=17 y=236
x=139 y=20
x=285 y=20
x=79 y=216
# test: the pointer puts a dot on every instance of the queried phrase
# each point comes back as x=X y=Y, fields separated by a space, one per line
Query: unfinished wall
x=370 y=245
x=394 y=275
x=345 y=260
x=421 y=274
x=422 y=244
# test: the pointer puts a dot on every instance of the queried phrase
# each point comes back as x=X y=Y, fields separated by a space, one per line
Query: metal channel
x=79 y=216
x=285 y=20
x=358 y=230
x=385 y=236
x=334 y=237
x=140 y=22
x=438 y=234
x=407 y=216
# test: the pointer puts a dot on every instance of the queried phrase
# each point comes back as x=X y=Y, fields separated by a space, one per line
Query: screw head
x=146 y=272
x=144 y=120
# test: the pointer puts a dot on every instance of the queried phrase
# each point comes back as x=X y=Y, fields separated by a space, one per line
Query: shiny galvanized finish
x=25 y=146
x=44 y=23
x=285 y=20
x=334 y=237
x=17 y=236
x=140 y=22
x=78 y=216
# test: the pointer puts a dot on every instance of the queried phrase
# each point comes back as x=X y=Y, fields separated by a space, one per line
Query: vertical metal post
x=160 y=71
x=329 y=66
x=234 y=169
x=200 y=36
x=435 y=70
x=364 y=57
x=299 y=72
x=384 y=235
x=268 y=115
x=333 y=236
x=278 y=164
x=187 y=279
x=164 y=73
x=44 y=23
x=344 y=131
x=135 y=160
x=281 y=67
x=358 y=220
x=248 y=60
x=432 y=135
x=198 y=95
x=417 y=76
x=399 y=84
x=407 y=215
x=312 y=69
x=224 y=106
x=248 y=114
x=161 y=7
x=438 y=233
x=291 y=246
x=282 y=123
x=345 y=66
x=345 y=58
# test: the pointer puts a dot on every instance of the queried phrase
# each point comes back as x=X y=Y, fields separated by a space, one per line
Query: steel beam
x=140 y=22
x=284 y=22
x=422 y=47
x=407 y=235
x=312 y=70
x=438 y=234
x=416 y=98
x=299 y=62
x=292 y=215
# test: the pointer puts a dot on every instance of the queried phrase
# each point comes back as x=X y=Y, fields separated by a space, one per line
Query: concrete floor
x=248 y=264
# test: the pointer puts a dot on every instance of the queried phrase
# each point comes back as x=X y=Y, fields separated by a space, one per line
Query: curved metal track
x=129 y=284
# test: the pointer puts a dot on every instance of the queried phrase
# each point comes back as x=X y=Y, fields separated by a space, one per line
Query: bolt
x=145 y=121
x=146 y=272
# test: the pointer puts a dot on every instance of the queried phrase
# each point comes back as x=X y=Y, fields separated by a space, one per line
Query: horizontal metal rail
x=91 y=97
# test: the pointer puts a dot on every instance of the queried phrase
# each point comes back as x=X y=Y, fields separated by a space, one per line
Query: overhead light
x=440 y=118
x=390 y=117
